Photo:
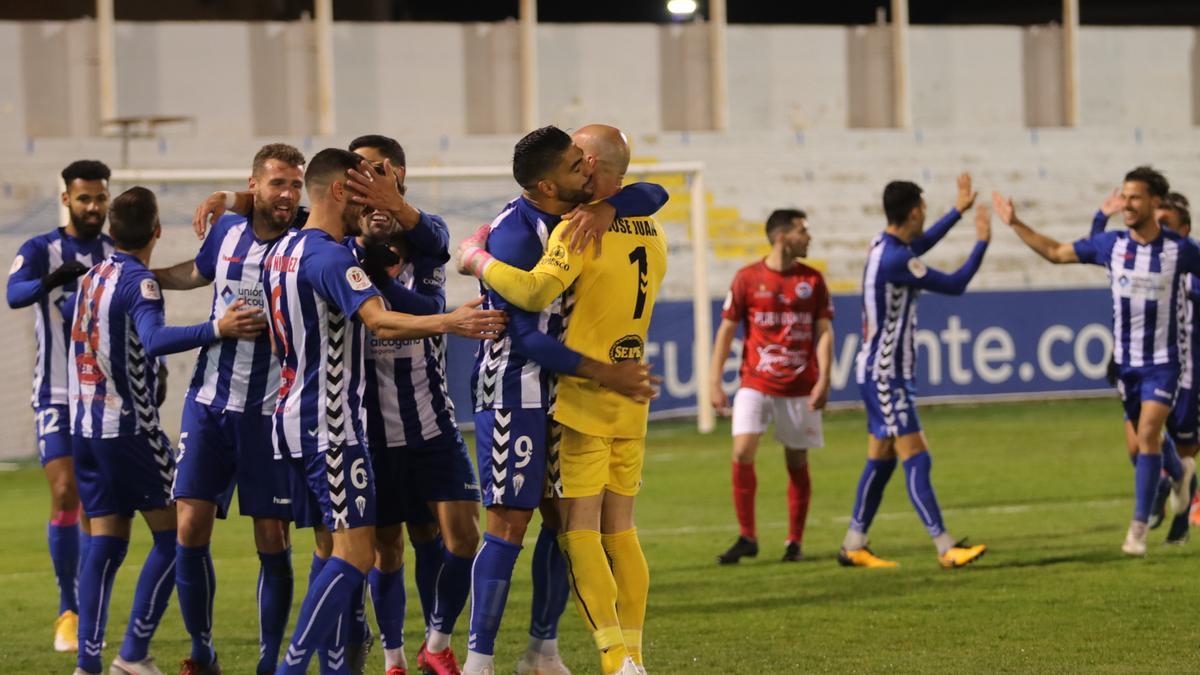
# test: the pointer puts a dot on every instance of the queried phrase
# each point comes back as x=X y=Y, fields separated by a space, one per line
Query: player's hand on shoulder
x=966 y=196
x=479 y=324
x=241 y=322
x=983 y=223
x=64 y=274
x=587 y=223
x=212 y=208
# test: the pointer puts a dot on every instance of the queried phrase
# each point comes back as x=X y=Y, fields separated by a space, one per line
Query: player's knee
x=270 y=535
x=423 y=533
x=389 y=555
x=796 y=458
x=463 y=540
x=322 y=542
x=508 y=524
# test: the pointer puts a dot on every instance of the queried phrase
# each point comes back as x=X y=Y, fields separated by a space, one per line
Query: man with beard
x=44 y=274
x=226 y=431
x=321 y=300
x=786 y=314
x=1147 y=264
x=516 y=441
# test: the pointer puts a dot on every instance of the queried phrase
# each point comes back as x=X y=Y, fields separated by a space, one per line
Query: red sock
x=799 y=495
x=745 y=485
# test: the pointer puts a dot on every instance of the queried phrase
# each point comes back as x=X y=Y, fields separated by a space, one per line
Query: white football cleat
x=628 y=667
x=1135 y=539
x=536 y=663
x=1180 y=491
x=144 y=667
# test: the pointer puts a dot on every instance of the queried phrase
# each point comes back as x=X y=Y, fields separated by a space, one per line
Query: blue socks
x=451 y=588
x=1145 y=484
x=197 y=586
x=357 y=629
x=551 y=590
x=920 y=492
x=869 y=493
x=274 y=603
x=390 y=601
x=322 y=616
x=64 y=554
x=491 y=577
x=1170 y=454
x=95 y=591
x=154 y=587
x=428 y=561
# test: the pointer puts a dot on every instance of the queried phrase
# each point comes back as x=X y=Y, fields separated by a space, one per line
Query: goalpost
x=430 y=181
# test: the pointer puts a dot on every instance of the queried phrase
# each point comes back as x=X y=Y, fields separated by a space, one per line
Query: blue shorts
x=52 y=423
x=219 y=449
x=510 y=445
x=341 y=485
x=1147 y=383
x=891 y=407
x=121 y=476
x=1184 y=422
x=408 y=478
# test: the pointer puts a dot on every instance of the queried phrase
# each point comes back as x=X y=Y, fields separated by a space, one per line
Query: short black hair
x=278 y=151
x=1179 y=204
x=900 y=197
x=85 y=169
x=132 y=217
x=537 y=154
x=387 y=146
x=781 y=219
x=1155 y=182
x=329 y=165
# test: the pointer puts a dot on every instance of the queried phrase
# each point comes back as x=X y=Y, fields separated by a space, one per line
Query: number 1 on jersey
x=638 y=255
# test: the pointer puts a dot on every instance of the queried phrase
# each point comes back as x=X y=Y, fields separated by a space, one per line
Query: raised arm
x=532 y=290
x=587 y=223
x=1112 y=204
x=963 y=201
x=1050 y=249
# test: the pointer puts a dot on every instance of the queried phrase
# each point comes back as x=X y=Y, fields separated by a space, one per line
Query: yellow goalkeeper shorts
x=590 y=465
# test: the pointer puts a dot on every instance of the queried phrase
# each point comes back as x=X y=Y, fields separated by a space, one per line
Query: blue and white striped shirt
x=231 y=374
x=1149 y=297
x=116 y=334
x=36 y=258
x=314 y=287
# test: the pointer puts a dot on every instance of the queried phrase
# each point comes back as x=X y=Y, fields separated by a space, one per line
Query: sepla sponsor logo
x=628 y=348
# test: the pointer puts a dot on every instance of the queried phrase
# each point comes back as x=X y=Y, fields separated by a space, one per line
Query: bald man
x=602 y=442
x=513 y=392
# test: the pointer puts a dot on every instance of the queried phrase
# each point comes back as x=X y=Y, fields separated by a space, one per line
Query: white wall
x=255 y=79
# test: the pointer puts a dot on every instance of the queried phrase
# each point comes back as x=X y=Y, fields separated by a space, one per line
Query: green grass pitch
x=1046 y=485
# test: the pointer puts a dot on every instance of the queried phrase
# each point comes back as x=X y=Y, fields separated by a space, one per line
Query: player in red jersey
x=786 y=314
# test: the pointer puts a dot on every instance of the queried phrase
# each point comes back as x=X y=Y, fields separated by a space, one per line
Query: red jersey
x=779 y=313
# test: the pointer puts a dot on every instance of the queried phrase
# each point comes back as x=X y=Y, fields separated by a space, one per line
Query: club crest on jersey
x=150 y=290
x=917 y=267
x=518 y=482
x=357 y=279
x=360 y=502
x=18 y=263
x=804 y=290
x=628 y=348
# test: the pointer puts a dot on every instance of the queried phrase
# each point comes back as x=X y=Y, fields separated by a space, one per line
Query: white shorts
x=796 y=426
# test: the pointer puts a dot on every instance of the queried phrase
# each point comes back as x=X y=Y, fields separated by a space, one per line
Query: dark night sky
x=1112 y=12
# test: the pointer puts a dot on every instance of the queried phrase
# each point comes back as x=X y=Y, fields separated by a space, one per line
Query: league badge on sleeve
x=917 y=267
x=18 y=263
x=357 y=278
x=150 y=290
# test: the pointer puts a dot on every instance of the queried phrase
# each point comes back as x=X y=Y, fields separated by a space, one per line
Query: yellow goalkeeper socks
x=595 y=593
x=632 y=577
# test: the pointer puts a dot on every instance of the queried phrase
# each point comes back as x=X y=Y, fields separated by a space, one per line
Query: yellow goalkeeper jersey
x=608 y=307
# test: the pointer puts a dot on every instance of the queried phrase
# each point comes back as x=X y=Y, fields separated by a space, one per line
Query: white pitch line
x=999 y=509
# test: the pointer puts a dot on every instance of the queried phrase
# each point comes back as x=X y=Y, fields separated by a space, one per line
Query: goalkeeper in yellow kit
x=611 y=291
